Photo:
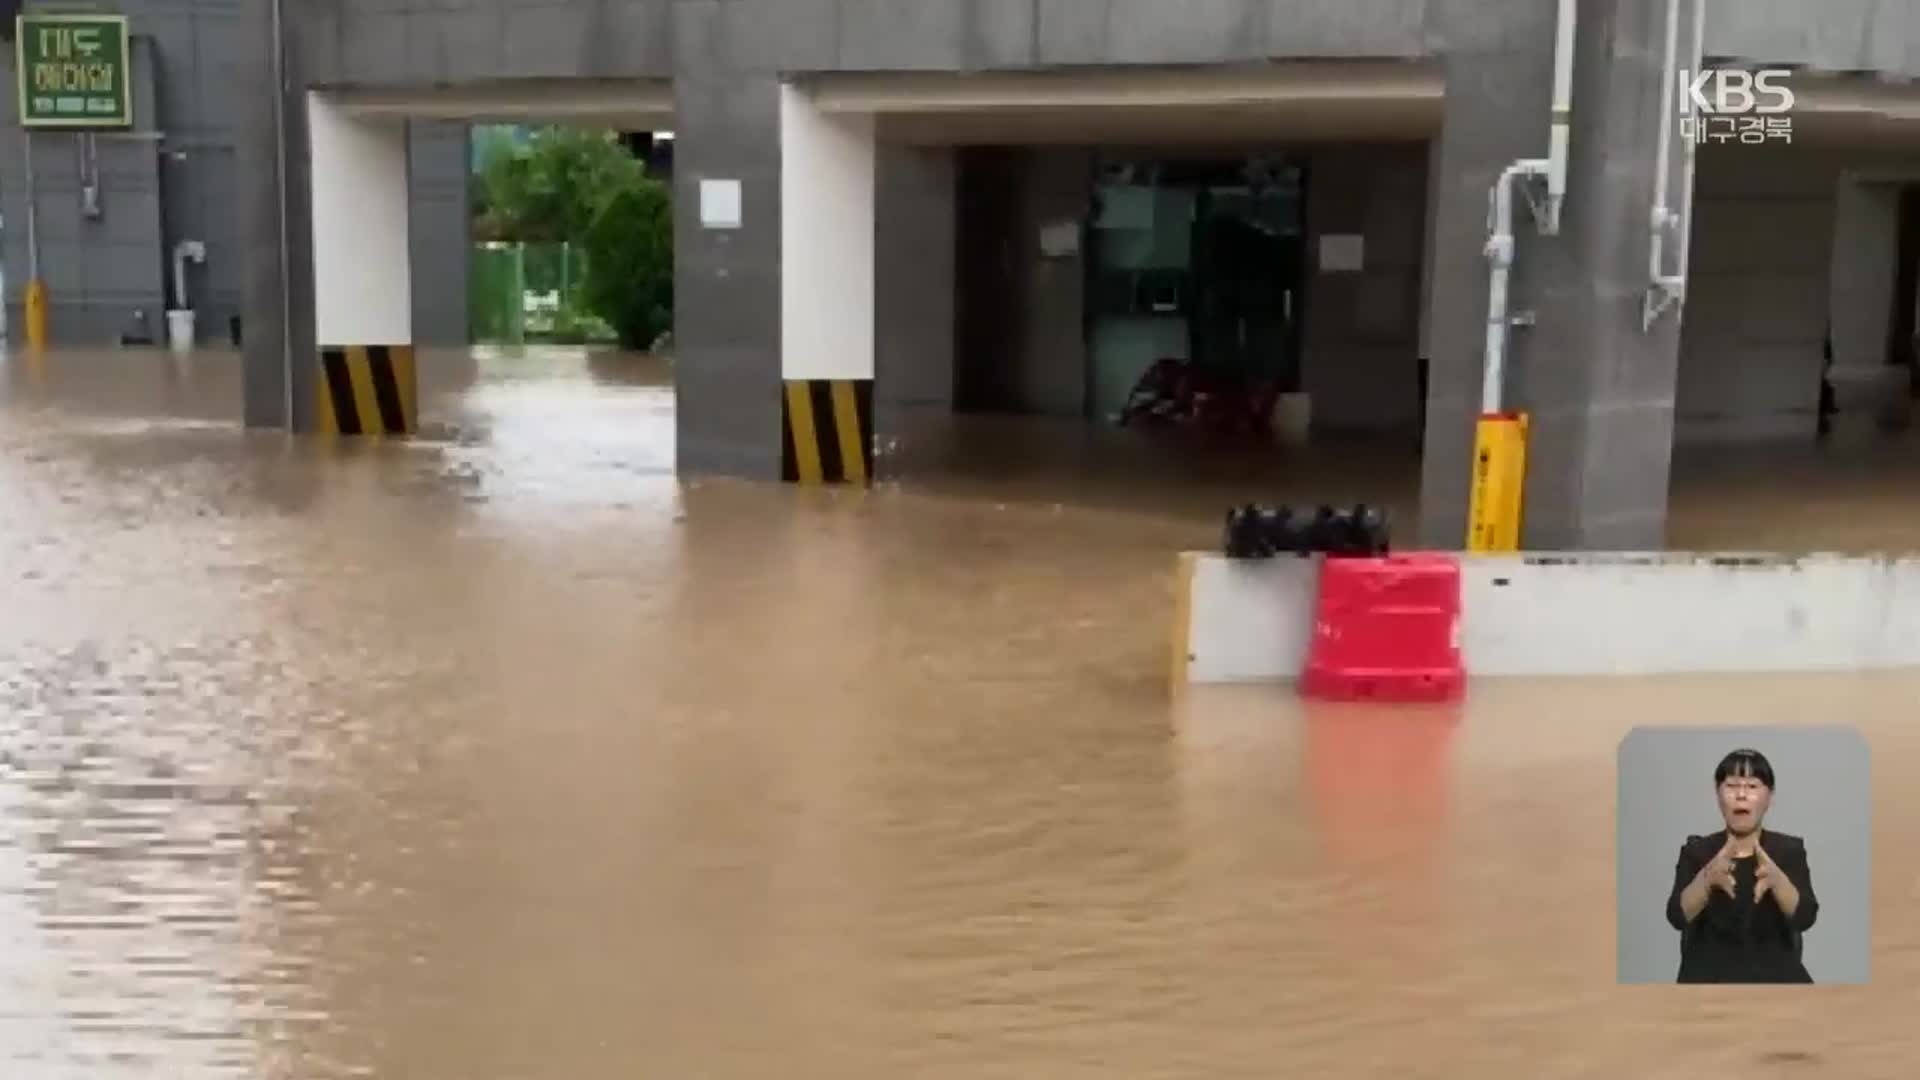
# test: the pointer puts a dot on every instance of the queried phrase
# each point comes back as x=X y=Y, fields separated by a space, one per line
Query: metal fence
x=531 y=292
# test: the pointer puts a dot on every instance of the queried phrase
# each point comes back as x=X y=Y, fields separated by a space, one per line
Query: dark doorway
x=1901 y=347
x=989 y=274
x=1196 y=259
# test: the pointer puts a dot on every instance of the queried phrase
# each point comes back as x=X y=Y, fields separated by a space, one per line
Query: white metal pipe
x=1500 y=239
x=1499 y=253
x=277 y=18
x=1663 y=162
x=1500 y=261
x=33 y=209
x=1689 y=163
x=1560 y=130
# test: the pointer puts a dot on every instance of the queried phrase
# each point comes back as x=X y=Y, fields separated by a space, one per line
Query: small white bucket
x=180 y=330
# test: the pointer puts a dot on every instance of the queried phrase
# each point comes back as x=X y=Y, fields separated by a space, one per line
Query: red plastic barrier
x=1386 y=629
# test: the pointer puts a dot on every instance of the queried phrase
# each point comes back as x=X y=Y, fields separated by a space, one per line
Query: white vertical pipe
x=1690 y=159
x=1500 y=241
x=1493 y=371
x=277 y=19
x=1662 y=215
x=32 y=189
x=1559 y=133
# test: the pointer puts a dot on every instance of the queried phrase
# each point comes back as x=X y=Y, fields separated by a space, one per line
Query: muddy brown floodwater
x=506 y=756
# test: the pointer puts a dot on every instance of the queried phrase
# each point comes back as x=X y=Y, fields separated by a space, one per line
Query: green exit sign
x=73 y=70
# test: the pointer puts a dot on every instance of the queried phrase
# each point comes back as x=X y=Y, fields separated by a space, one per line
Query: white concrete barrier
x=1581 y=614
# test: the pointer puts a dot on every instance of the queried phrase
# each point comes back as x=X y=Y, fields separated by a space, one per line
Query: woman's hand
x=1718 y=873
x=1689 y=901
x=1769 y=879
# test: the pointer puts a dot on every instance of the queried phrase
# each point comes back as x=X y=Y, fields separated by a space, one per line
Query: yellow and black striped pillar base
x=827 y=430
x=365 y=390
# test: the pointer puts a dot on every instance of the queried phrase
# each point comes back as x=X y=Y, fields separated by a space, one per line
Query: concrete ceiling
x=627 y=104
x=1164 y=125
x=1292 y=102
x=1855 y=110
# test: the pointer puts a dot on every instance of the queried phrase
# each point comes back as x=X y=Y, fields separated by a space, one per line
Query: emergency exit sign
x=73 y=70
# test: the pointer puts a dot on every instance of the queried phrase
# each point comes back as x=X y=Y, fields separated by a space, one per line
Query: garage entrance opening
x=558 y=162
x=1169 y=287
x=1192 y=285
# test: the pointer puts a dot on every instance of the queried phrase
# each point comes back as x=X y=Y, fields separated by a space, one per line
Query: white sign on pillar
x=720 y=204
x=826 y=241
x=363 y=288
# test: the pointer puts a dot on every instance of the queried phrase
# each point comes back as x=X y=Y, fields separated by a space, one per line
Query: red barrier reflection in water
x=1377 y=777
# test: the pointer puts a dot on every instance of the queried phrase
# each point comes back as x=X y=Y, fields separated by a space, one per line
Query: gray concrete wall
x=1827 y=35
x=1766 y=275
x=1599 y=389
x=431 y=41
x=1362 y=329
x=370 y=43
x=727 y=282
x=1498 y=88
x=967 y=35
x=193 y=40
x=440 y=221
x=417 y=42
x=1024 y=346
x=1051 y=373
x=186 y=186
x=1599 y=384
x=274 y=211
x=101 y=267
x=1757 y=295
x=1865 y=251
x=915 y=278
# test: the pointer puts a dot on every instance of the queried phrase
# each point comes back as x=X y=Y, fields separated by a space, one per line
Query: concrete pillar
x=726 y=316
x=1600 y=389
x=362 y=295
x=273 y=229
x=1499 y=76
x=827 y=190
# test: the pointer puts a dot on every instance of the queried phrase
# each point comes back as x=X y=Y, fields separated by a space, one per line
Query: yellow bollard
x=1499 y=482
x=36 y=314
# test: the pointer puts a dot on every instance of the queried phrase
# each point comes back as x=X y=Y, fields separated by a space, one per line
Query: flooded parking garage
x=508 y=755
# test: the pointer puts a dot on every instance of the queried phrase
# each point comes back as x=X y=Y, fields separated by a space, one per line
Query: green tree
x=549 y=190
x=630 y=261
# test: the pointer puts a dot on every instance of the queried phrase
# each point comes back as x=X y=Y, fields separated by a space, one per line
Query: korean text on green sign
x=73 y=71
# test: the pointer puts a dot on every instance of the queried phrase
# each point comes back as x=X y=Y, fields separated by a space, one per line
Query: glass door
x=1248 y=275
x=1140 y=281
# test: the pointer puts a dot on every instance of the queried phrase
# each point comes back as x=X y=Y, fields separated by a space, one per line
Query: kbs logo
x=1732 y=104
x=1736 y=92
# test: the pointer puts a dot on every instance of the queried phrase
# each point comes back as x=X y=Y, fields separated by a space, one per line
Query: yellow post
x=36 y=314
x=1499 y=482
